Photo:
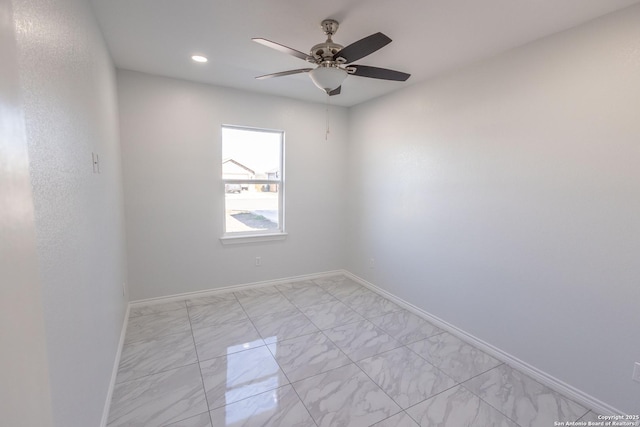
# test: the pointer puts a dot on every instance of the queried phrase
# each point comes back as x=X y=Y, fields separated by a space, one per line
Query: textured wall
x=24 y=375
x=68 y=87
x=505 y=199
x=170 y=132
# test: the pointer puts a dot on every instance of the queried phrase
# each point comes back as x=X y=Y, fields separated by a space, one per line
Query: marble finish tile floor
x=323 y=352
x=456 y=358
x=406 y=377
x=283 y=325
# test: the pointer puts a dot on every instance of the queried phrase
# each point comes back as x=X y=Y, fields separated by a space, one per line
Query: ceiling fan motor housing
x=323 y=53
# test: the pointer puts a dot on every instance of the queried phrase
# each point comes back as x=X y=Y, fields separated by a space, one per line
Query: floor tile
x=329 y=280
x=158 y=399
x=259 y=305
x=405 y=326
x=370 y=304
x=216 y=313
x=311 y=297
x=340 y=288
x=306 y=294
x=283 y=325
x=360 y=340
x=276 y=408
x=251 y=293
x=211 y=299
x=345 y=397
x=398 y=420
x=456 y=358
x=405 y=377
x=227 y=338
x=527 y=402
x=231 y=378
x=141 y=310
x=202 y=420
x=356 y=295
x=457 y=407
x=331 y=314
x=296 y=284
x=157 y=325
x=308 y=355
x=142 y=358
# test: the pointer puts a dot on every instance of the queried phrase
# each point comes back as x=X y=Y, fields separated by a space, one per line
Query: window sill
x=252 y=238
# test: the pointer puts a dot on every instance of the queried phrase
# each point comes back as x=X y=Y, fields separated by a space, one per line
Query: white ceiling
x=429 y=37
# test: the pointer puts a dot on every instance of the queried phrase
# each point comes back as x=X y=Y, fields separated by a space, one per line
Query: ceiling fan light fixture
x=328 y=78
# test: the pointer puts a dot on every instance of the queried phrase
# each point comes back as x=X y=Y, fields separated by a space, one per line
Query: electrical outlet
x=636 y=372
x=258 y=261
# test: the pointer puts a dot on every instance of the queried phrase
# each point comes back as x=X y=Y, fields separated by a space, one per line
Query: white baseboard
x=231 y=288
x=584 y=399
x=114 y=372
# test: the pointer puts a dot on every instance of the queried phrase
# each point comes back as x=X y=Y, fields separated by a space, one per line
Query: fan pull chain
x=326 y=135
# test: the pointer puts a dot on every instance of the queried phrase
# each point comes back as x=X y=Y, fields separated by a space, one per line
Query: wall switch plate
x=96 y=162
x=372 y=262
x=636 y=372
x=124 y=288
x=258 y=261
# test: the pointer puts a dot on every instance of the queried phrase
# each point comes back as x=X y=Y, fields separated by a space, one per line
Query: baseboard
x=542 y=377
x=231 y=288
x=114 y=372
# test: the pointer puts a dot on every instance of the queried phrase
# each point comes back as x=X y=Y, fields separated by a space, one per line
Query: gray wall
x=70 y=110
x=24 y=373
x=170 y=134
x=505 y=198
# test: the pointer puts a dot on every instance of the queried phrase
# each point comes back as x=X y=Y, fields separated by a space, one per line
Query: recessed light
x=199 y=58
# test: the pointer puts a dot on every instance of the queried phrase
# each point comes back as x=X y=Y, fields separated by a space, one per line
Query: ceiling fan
x=335 y=62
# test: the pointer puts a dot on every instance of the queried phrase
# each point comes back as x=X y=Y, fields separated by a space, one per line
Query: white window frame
x=259 y=235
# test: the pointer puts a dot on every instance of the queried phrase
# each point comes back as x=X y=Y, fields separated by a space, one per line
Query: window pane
x=250 y=154
x=251 y=207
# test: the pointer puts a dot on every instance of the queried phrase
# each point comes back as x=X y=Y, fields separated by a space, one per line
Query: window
x=252 y=173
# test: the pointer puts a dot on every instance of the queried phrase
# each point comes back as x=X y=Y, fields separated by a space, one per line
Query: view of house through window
x=252 y=161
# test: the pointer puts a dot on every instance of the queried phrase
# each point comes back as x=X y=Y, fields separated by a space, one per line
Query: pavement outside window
x=251 y=210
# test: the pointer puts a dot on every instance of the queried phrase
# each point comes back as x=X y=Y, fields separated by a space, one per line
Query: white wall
x=68 y=90
x=505 y=199
x=24 y=373
x=170 y=137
